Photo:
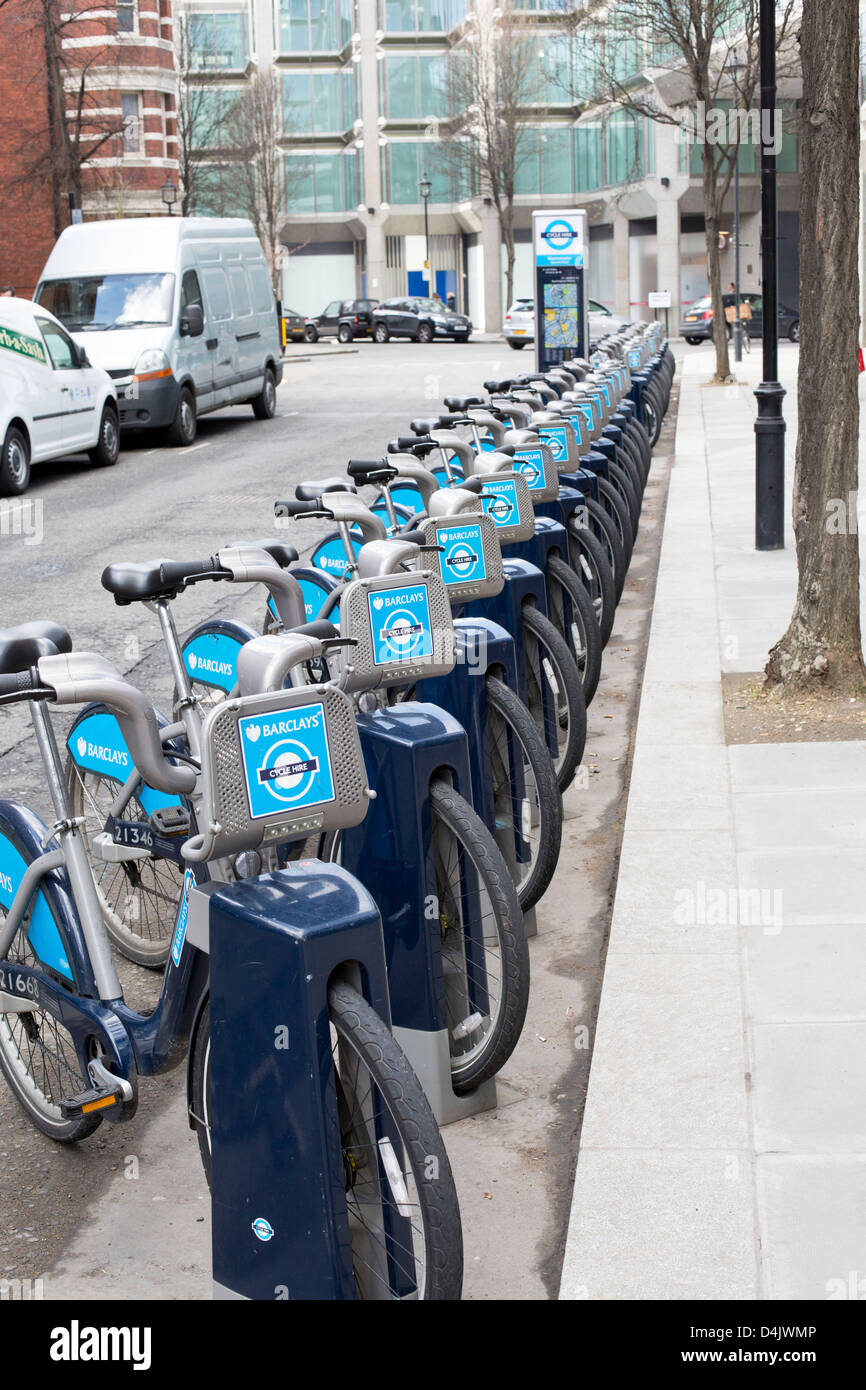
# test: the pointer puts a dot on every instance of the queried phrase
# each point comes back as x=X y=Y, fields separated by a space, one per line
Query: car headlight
x=152 y=363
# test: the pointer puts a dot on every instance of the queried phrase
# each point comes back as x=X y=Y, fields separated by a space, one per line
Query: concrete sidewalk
x=723 y=1150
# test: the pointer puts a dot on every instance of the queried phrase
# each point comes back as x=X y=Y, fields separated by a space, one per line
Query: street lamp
x=169 y=195
x=733 y=66
x=425 y=188
x=770 y=424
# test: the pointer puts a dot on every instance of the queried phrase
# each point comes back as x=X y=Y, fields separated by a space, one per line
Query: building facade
x=360 y=86
x=88 y=120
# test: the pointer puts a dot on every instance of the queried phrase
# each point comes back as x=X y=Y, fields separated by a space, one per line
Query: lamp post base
x=770 y=467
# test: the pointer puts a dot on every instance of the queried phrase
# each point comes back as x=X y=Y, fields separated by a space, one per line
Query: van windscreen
x=94 y=302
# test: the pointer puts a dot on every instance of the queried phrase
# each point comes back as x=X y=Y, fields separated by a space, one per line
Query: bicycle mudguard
x=210 y=652
x=330 y=555
x=53 y=932
x=96 y=744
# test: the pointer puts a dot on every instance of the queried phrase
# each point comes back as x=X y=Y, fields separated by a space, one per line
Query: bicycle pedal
x=170 y=820
x=86 y=1102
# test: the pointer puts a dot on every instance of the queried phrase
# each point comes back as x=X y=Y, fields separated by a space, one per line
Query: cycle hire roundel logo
x=462 y=557
x=286 y=760
x=531 y=464
x=400 y=624
x=499 y=501
x=559 y=234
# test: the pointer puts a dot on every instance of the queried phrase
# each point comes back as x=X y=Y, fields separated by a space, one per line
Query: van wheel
x=107 y=449
x=265 y=403
x=182 y=429
x=15 y=463
x=344 y=333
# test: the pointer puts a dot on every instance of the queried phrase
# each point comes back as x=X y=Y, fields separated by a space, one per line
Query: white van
x=52 y=401
x=180 y=312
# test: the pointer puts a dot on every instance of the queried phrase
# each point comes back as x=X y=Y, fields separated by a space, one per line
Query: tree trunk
x=714 y=269
x=506 y=219
x=822 y=648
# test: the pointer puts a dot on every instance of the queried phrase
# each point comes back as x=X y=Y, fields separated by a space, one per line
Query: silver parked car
x=519 y=326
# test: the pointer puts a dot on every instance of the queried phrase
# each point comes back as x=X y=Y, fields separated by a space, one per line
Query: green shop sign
x=13 y=341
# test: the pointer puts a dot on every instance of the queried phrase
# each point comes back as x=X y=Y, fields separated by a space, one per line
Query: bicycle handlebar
x=295 y=508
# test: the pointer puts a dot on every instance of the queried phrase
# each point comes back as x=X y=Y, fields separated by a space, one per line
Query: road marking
x=192 y=447
x=284 y=414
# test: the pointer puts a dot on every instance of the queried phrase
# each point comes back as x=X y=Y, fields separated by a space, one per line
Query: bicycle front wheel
x=573 y=616
x=485 y=956
x=519 y=759
x=554 y=694
x=401 y=1202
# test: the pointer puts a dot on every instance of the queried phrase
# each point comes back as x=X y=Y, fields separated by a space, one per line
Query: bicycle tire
x=617 y=509
x=39 y=1062
x=545 y=800
x=590 y=562
x=504 y=931
x=622 y=482
x=605 y=530
x=361 y=1029
x=580 y=627
x=142 y=926
x=570 y=702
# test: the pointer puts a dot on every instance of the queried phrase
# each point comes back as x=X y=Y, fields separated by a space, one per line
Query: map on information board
x=561 y=326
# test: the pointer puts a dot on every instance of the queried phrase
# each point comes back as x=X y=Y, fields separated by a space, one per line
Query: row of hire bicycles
x=464 y=602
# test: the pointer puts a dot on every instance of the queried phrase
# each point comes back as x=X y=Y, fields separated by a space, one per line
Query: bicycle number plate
x=400 y=623
x=286 y=760
x=462 y=557
x=134 y=833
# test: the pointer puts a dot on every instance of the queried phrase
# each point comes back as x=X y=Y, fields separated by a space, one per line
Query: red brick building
x=87 y=120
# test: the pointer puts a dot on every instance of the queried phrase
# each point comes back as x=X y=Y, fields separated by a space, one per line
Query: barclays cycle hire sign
x=401 y=624
x=286 y=760
x=462 y=559
x=559 y=239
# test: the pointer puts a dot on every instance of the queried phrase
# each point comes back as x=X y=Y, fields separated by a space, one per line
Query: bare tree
x=491 y=78
x=258 y=174
x=822 y=648
x=662 y=59
x=199 y=121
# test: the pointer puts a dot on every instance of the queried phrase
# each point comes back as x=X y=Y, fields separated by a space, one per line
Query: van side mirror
x=83 y=359
x=192 y=322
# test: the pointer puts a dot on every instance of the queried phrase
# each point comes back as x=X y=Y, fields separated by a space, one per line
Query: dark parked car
x=294 y=325
x=421 y=319
x=344 y=318
x=697 y=324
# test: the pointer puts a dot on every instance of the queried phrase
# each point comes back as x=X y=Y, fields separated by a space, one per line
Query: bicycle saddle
x=310 y=492
x=137 y=583
x=462 y=403
x=22 y=646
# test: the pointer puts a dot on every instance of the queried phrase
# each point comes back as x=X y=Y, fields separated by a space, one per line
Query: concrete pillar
x=491 y=251
x=620 y=264
x=668 y=248
x=371 y=195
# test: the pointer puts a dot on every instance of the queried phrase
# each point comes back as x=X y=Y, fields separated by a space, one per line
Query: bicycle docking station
x=484 y=646
x=278 y=1186
x=392 y=854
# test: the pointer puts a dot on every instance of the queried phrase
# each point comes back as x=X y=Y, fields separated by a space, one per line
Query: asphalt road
x=56 y=1204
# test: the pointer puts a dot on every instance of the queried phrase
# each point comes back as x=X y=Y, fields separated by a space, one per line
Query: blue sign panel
x=530 y=463
x=462 y=558
x=400 y=621
x=556 y=439
x=286 y=760
x=500 y=501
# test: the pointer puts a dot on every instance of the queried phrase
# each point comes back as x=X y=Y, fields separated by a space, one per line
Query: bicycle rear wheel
x=403 y=1214
x=40 y=1063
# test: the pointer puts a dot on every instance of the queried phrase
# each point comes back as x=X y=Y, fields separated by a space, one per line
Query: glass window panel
x=401 y=79
x=297 y=101
x=527 y=179
x=300 y=185
x=587 y=158
x=556 y=172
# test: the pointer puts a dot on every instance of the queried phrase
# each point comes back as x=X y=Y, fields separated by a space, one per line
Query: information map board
x=560 y=244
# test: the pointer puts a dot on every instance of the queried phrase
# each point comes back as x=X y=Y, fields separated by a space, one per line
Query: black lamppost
x=770 y=424
x=169 y=195
x=425 y=188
